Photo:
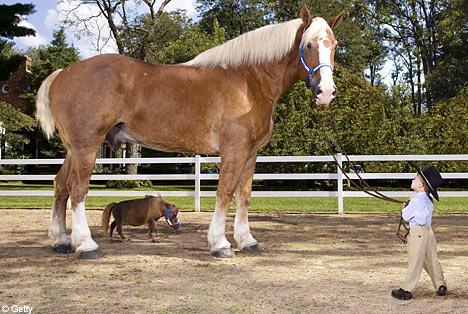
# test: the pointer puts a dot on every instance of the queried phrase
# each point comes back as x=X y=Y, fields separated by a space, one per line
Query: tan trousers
x=422 y=253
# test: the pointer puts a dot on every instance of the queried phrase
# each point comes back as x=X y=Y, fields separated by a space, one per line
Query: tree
x=57 y=55
x=10 y=60
x=148 y=39
x=191 y=43
x=13 y=124
x=236 y=17
x=451 y=70
x=428 y=39
x=445 y=127
x=11 y=16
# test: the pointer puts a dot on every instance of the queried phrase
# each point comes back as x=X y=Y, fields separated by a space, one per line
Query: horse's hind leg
x=245 y=241
x=58 y=230
x=82 y=164
x=111 y=230
x=120 y=232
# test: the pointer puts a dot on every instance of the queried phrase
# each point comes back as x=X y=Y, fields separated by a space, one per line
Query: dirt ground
x=311 y=264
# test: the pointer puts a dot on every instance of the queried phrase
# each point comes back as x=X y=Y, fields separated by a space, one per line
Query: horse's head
x=317 y=50
x=170 y=213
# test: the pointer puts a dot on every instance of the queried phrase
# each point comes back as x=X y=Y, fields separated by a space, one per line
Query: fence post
x=197 y=182
x=339 y=158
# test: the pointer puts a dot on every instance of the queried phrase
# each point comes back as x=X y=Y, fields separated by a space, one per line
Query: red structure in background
x=18 y=83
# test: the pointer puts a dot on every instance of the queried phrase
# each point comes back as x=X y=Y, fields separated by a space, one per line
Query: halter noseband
x=311 y=72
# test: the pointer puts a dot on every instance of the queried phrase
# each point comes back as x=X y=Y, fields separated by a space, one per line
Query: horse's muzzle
x=176 y=225
x=324 y=97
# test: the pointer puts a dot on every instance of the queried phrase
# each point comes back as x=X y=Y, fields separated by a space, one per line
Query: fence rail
x=197 y=176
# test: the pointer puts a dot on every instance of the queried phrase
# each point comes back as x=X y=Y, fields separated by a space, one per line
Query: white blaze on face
x=326 y=73
x=319 y=31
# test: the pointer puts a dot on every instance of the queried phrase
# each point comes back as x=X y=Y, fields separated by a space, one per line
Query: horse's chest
x=265 y=134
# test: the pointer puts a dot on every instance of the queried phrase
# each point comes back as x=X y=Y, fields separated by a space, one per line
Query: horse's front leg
x=232 y=165
x=152 y=230
x=244 y=239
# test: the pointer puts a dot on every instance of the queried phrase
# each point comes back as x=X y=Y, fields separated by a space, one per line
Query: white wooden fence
x=197 y=176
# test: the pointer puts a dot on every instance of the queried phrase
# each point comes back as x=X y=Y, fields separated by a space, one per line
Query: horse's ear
x=305 y=16
x=334 y=22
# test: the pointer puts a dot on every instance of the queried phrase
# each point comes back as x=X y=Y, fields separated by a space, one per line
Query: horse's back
x=133 y=212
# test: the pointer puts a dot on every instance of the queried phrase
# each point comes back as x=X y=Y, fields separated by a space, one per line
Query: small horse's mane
x=264 y=44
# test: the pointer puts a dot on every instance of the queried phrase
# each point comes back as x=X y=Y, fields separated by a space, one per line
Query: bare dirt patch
x=312 y=264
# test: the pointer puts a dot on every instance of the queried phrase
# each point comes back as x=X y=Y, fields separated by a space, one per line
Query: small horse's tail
x=106 y=217
x=43 y=113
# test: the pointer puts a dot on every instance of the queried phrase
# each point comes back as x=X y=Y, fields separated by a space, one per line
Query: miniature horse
x=221 y=102
x=138 y=212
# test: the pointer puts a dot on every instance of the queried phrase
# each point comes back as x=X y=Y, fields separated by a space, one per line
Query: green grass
x=285 y=205
x=261 y=204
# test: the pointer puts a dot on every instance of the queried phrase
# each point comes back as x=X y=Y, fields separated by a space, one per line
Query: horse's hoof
x=223 y=253
x=94 y=254
x=253 y=249
x=62 y=249
x=154 y=241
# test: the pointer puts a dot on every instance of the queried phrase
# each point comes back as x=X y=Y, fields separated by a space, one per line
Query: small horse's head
x=170 y=213
x=317 y=50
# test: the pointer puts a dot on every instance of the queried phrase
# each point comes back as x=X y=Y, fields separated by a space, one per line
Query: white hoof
x=244 y=240
x=85 y=245
x=219 y=243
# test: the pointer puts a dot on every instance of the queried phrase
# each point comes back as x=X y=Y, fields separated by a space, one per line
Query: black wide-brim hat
x=432 y=178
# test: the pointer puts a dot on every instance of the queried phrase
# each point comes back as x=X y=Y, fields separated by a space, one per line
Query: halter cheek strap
x=311 y=72
x=168 y=212
x=167 y=216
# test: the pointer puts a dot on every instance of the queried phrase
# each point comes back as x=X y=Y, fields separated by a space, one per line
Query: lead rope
x=363 y=186
x=403 y=230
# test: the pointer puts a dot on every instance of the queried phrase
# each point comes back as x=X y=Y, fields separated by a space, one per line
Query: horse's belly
x=135 y=221
x=176 y=140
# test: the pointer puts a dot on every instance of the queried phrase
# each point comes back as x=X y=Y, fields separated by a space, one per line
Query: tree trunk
x=131 y=152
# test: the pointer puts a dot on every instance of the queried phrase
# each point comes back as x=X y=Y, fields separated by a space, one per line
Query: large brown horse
x=221 y=102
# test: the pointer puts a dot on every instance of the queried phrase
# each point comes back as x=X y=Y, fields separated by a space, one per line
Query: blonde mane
x=265 y=44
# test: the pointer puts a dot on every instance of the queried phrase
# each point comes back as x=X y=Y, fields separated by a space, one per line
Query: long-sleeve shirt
x=419 y=210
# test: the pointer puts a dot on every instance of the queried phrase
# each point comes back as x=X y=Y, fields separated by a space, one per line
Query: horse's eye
x=309 y=46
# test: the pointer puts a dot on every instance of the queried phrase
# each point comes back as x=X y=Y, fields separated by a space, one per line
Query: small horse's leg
x=245 y=241
x=58 y=230
x=82 y=162
x=232 y=165
x=111 y=230
x=119 y=231
x=152 y=230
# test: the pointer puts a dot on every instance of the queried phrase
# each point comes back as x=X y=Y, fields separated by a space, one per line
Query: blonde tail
x=106 y=217
x=43 y=113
